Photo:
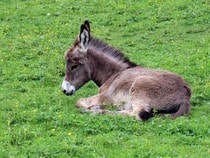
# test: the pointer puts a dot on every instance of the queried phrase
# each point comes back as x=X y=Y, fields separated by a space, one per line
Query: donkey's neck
x=103 y=66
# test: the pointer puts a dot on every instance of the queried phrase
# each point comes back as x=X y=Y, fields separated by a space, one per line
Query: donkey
x=134 y=91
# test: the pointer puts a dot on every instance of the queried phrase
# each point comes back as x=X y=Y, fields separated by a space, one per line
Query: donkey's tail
x=188 y=90
x=184 y=109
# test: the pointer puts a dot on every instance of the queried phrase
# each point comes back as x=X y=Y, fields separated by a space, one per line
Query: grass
x=37 y=120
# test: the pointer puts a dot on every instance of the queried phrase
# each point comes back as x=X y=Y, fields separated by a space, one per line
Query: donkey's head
x=77 y=66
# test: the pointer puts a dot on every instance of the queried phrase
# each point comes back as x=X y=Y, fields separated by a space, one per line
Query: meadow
x=37 y=120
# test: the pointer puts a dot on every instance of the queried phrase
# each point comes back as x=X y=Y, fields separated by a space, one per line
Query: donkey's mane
x=110 y=51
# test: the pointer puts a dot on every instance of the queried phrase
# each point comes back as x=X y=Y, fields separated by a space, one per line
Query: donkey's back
x=143 y=91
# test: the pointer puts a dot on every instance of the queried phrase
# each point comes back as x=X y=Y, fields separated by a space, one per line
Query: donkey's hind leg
x=184 y=109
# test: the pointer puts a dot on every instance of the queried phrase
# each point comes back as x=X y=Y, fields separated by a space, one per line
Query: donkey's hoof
x=144 y=115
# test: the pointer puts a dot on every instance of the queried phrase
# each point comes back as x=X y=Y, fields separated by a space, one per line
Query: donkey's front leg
x=94 y=102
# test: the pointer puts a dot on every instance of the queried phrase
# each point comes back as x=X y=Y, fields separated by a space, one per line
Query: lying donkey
x=133 y=90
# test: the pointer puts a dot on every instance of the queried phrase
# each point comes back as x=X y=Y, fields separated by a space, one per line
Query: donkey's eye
x=74 y=67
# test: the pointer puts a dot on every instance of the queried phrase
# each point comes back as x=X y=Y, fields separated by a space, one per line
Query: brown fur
x=134 y=90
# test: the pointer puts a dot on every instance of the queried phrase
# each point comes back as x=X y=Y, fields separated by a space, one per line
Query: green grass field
x=37 y=120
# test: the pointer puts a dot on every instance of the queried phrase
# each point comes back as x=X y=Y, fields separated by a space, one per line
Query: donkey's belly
x=118 y=93
x=121 y=100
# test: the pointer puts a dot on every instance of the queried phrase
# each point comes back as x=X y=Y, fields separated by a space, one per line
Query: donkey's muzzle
x=68 y=93
x=67 y=88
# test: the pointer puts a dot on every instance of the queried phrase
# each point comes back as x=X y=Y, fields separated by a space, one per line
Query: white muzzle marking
x=68 y=88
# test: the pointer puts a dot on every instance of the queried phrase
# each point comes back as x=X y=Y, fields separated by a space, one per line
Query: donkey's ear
x=87 y=25
x=84 y=36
